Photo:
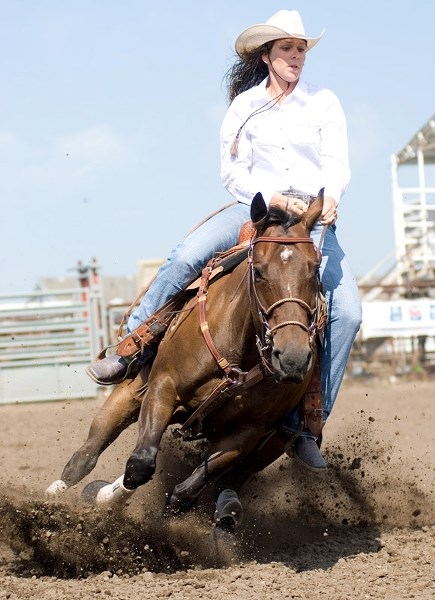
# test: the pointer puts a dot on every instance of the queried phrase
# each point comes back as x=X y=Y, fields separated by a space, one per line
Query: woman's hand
x=291 y=205
x=298 y=207
x=329 y=212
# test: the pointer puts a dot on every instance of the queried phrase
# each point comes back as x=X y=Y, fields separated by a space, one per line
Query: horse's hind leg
x=229 y=508
x=263 y=455
x=116 y=414
x=223 y=455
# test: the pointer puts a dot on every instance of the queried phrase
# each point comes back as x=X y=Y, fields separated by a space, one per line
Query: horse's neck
x=229 y=304
x=235 y=291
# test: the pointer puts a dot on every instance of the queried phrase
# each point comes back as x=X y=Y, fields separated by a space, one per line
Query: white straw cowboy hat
x=283 y=24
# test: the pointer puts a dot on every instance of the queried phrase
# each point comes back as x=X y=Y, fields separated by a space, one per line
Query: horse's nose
x=291 y=364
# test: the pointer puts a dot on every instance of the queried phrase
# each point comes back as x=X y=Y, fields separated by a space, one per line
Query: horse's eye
x=257 y=274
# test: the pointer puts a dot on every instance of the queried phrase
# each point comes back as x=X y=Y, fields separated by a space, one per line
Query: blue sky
x=110 y=114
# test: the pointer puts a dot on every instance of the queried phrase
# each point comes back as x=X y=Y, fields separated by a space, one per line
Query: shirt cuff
x=333 y=193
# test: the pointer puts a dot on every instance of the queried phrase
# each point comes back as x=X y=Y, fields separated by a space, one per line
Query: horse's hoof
x=227 y=524
x=91 y=490
x=57 y=488
x=229 y=511
x=177 y=508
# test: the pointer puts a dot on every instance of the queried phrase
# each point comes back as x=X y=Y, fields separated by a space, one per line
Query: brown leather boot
x=114 y=369
x=110 y=370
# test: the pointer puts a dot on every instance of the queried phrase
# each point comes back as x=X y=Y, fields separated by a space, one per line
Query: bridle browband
x=281 y=240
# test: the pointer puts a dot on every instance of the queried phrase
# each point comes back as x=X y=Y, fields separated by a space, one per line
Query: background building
x=399 y=305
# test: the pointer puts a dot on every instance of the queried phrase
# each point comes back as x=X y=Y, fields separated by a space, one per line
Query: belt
x=298 y=195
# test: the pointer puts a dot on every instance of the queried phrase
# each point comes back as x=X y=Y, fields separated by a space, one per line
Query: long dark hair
x=247 y=71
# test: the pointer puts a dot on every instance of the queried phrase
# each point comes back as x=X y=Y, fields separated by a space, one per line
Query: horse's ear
x=259 y=210
x=314 y=212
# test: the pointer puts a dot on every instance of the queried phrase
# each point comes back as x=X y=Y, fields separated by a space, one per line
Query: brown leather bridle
x=236 y=380
x=265 y=336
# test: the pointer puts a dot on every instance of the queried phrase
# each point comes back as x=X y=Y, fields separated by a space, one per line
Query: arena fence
x=47 y=338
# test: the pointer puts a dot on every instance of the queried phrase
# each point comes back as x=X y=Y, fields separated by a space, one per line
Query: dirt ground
x=364 y=529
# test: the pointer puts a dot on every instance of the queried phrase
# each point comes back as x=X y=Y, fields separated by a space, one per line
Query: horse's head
x=284 y=276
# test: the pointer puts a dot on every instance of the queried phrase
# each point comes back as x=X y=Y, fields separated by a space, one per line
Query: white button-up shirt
x=301 y=143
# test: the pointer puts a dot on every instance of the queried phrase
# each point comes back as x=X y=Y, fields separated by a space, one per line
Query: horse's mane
x=278 y=216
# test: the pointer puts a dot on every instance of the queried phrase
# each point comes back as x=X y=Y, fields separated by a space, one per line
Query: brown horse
x=270 y=301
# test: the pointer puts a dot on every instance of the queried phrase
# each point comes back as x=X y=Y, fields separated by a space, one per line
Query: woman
x=281 y=131
x=280 y=135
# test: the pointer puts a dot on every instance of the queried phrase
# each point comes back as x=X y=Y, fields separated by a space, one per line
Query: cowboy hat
x=283 y=24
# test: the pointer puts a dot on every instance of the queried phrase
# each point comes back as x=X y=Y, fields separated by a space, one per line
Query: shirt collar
x=299 y=90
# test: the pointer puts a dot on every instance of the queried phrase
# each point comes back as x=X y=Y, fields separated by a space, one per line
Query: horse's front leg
x=154 y=418
x=119 y=410
x=222 y=456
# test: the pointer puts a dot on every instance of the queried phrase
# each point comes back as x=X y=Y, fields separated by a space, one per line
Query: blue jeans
x=344 y=310
x=186 y=261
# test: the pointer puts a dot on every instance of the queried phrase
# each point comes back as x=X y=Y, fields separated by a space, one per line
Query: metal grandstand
x=413 y=260
x=399 y=306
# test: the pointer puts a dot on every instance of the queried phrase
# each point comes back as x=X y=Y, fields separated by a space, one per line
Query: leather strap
x=283 y=240
x=202 y=298
x=311 y=404
x=237 y=382
x=152 y=329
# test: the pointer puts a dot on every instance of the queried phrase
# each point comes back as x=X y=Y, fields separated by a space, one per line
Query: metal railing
x=47 y=338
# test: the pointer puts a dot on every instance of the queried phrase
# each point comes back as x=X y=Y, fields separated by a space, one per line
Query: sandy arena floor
x=364 y=529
